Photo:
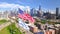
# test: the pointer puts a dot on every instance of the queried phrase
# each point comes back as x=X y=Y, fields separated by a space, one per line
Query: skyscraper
x=39 y=7
x=31 y=12
x=57 y=13
x=38 y=14
x=57 y=10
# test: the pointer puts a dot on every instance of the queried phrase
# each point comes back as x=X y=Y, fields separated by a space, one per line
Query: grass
x=3 y=21
x=4 y=31
x=43 y=21
x=11 y=29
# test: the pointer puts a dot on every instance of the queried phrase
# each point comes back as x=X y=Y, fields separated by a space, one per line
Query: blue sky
x=46 y=4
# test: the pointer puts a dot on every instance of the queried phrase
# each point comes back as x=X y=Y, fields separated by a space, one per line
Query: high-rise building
x=38 y=14
x=33 y=12
x=4 y=15
x=27 y=11
x=39 y=7
x=57 y=11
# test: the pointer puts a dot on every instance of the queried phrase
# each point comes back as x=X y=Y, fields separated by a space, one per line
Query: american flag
x=21 y=14
x=25 y=16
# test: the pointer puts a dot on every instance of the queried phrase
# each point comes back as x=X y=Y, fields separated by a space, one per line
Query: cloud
x=7 y=5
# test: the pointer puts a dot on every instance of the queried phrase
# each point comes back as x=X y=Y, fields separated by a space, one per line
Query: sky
x=23 y=4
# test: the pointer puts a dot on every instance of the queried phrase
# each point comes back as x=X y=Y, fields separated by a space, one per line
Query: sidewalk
x=4 y=25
